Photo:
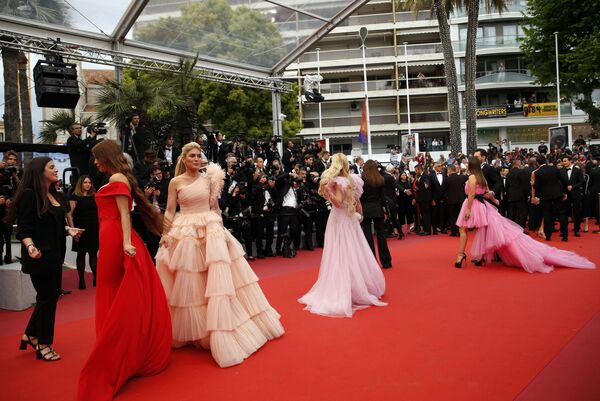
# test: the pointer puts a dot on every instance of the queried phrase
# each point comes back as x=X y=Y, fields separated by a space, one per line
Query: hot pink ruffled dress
x=213 y=294
x=497 y=234
x=350 y=277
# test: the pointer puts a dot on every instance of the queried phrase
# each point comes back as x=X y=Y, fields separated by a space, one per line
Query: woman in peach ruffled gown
x=214 y=296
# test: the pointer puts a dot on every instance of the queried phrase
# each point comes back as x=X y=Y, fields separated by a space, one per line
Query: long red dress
x=133 y=324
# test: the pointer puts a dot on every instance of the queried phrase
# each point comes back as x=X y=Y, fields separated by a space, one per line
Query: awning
x=325 y=71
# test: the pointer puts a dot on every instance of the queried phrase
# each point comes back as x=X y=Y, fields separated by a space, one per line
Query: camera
x=153 y=183
x=9 y=170
x=97 y=128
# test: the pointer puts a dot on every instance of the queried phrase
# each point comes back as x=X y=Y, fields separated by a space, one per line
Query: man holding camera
x=288 y=159
x=168 y=152
x=157 y=188
x=133 y=137
x=263 y=214
x=80 y=150
x=9 y=180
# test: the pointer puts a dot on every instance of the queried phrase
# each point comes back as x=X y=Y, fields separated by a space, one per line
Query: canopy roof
x=251 y=39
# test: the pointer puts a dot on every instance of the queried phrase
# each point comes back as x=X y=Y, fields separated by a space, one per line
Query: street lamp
x=363 y=32
x=557 y=74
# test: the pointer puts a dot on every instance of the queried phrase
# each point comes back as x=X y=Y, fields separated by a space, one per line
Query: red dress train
x=133 y=325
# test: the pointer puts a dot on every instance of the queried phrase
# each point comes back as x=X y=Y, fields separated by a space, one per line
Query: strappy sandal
x=29 y=340
x=49 y=356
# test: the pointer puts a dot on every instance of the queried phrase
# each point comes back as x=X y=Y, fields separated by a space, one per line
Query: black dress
x=85 y=216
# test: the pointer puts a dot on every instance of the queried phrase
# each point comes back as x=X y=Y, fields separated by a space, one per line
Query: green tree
x=578 y=28
x=60 y=123
x=213 y=28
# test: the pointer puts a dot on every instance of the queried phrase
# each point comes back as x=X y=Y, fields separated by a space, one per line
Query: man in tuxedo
x=455 y=195
x=424 y=198
x=492 y=176
x=219 y=149
x=287 y=207
x=80 y=150
x=534 y=209
x=168 y=152
x=503 y=194
x=550 y=190
x=357 y=167
x=322 y=162
x=542 y=149
x=518 y=188
x=573 y=177
x=133 y=138
x=288 y=158
x=594 y=188
x=439 y=188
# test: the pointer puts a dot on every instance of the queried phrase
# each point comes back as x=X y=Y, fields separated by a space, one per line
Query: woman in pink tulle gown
x=496 y=234
x=212 y=292
x=349 y=277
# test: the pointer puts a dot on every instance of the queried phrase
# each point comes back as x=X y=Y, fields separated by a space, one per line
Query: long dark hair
x=33 y=178
x=108 y=152
x=475 y=169
x=79 y=186
x=371 y=174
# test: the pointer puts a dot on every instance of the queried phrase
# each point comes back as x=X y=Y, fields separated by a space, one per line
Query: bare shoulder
x=472 y=178
x=119 y=177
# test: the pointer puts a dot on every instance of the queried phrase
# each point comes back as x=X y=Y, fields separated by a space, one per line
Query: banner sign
x=492 y=112
x=540 y=109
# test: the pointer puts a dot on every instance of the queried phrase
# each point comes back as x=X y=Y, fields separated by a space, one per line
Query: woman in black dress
x=42 y=232
x=373 y=204
x=406 y=210
x=84 y=214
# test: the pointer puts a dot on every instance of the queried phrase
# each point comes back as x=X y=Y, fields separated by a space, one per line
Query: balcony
x=380 y=119
x=382 y=85
x=500 y=77
x=374 y=52
x=490 y=42
x=409 y=16
x=421 y=49
x=514 y=6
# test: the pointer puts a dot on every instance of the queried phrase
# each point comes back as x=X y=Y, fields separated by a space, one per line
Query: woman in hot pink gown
x=496 y=234
x=349 y=278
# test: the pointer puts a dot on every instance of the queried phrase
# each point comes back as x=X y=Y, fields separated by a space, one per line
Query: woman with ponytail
x=214 y=296
x=133 y=325
x=349 y=277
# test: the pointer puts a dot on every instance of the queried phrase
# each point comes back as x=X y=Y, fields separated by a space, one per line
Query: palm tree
x=60 y=122
x=49 y=11
x=25 y=102
x=442 y=10
x=471 y=64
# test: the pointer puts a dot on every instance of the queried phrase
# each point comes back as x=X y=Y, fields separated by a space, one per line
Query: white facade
x=502 y=78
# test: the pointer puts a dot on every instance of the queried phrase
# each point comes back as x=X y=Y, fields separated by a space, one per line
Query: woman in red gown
x=133 y=325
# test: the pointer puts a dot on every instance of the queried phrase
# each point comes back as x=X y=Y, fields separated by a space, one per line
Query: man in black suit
x=287 y=204
x=424 y=198
x=168 y=152
x=573 y=177
x=288 y=158
x=492 y=176
x=594 y=188
x=551 y=191
x=356 y=168
x=503 y=194
x=133 y=138
x=80 y=150
x=534 y=209
x=518 y=188
x=455 y=195
x=219 y=150
x=439 y=188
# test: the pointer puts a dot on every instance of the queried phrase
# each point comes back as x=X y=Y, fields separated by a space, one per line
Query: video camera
x=99 y=128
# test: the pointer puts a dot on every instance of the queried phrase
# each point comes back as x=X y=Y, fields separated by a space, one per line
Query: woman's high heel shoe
x=29 y=340
x=49 y=356
x=478 y=262
x=458 y=264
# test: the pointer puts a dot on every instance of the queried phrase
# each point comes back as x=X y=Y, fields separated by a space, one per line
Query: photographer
x=80 y=149
x=237 y=217
x=217 y=148
x=9 y=181
x=308 y=198
x=272 y=152
x=133 y=137
x=263 y=214
x=287 y=205
x=143 y=168
x=156 y=189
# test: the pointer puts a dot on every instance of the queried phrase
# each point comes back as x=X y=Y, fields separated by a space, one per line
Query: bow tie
x=569 y=169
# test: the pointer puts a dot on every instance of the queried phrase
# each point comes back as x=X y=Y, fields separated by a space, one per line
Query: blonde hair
x=180 y=167
x=339 y=168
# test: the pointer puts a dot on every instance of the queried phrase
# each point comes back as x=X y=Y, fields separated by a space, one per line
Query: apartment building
x=399 y=41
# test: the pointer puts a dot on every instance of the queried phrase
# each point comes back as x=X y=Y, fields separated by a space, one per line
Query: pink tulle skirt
x=213 y=294
x=497 y=234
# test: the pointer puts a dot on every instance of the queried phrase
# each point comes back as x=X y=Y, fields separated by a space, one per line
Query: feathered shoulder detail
x=216 y=176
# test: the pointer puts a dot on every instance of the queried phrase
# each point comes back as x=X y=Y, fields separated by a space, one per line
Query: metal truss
x=32 y=44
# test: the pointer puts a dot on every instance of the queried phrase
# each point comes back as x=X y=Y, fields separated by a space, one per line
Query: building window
x=345 y=148
x=434 y=142
x=527 y=134
x=487 y=135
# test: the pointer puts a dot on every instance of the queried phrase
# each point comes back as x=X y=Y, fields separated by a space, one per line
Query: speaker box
x=56 y=84
x=353 y=105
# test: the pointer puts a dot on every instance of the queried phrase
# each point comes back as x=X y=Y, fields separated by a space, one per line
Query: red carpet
x=447 y=334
